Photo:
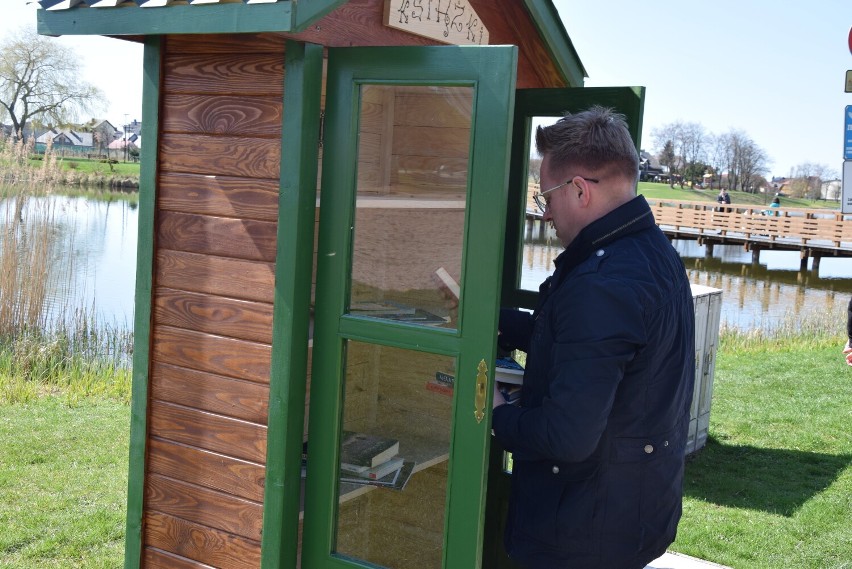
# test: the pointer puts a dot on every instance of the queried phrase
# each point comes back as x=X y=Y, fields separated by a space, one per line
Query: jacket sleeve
x=515 y=329
x=598 y=327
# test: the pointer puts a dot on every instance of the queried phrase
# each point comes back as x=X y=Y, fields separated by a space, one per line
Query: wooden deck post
x=803 y=263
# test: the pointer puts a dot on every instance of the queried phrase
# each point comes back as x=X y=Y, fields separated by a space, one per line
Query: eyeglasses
x=543 y=203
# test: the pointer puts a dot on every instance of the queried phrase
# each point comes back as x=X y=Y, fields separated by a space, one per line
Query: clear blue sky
x=774 y=69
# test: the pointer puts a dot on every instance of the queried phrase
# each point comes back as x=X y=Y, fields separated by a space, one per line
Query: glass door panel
x=413 y=148
x=396 y=411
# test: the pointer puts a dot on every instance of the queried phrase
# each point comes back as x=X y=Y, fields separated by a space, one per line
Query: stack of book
x=373 y=460
x=396 y=311
x=509 y=375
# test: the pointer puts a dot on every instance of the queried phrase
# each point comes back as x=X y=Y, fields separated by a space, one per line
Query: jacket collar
x=629 y=218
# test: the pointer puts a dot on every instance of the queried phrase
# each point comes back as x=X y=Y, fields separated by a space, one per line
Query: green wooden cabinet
x=415 y=158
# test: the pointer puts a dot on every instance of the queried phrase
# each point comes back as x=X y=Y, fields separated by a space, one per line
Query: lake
x=97 y=245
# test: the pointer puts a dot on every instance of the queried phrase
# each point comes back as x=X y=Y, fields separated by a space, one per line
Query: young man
x=599 y=435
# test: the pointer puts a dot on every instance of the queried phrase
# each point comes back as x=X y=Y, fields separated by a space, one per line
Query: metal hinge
x=321 y=127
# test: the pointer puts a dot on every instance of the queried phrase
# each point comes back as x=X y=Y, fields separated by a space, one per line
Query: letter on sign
x=448 y=21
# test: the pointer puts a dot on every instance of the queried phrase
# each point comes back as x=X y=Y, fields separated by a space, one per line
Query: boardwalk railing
x=760 y=224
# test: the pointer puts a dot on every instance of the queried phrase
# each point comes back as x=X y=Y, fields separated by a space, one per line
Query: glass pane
x=397 y=413
x=413 y=154
x=540 y=246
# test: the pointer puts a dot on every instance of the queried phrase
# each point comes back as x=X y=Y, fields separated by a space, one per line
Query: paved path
x=680 y=561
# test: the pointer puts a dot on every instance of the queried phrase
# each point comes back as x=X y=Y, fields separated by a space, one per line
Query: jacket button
x=665 y=443
x=555 y=469
x=649 y=449
x=600 y=253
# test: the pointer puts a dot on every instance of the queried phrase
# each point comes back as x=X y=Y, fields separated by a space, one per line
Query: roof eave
x=181 y=19
x=546 y=19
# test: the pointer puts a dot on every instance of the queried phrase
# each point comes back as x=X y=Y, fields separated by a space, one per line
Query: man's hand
x=500 y=400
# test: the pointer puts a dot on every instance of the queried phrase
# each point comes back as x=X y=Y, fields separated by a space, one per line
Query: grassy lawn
x=63 y=480
x=88 y=166
x=653 y=190
x=772 y=488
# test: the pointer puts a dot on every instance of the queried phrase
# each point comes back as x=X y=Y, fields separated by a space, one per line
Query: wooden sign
x=448 y=21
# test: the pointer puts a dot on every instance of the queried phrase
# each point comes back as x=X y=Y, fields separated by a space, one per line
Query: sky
x=773 y=69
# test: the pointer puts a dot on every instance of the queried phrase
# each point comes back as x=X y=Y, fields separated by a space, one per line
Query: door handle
x=481 y=384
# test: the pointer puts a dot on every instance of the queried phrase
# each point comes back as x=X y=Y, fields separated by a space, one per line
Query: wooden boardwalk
x=815 y=233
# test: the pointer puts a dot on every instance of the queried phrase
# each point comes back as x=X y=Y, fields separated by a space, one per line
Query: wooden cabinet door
x=412 y=213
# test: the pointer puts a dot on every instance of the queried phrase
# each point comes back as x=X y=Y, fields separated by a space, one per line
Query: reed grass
x=45 y=347
x=812 y=330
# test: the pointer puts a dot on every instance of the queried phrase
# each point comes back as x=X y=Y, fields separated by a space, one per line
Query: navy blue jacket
x=599 y=436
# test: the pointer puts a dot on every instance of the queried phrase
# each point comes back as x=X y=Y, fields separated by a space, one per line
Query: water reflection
x=93 y=255
x=754 y=295
x=97 y=244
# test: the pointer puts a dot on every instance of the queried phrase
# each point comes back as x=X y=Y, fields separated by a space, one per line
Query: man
x=598 y=438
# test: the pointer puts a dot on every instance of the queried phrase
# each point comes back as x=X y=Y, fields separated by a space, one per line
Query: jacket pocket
x=555 y=504
x=647 y=449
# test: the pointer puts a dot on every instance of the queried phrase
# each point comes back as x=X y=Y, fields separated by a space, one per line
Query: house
x=66 y=141
x=650 y=169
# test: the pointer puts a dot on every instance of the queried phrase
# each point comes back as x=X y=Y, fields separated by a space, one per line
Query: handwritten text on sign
x=449 y=21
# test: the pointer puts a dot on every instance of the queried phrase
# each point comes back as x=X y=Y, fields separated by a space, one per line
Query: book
x=439 y=387
x=507 y=370
x=381 y=308
x=374 y=473
x=419 y=316
x=445 y=378
x=447 y=282
x=361 y=449
x=395 y=480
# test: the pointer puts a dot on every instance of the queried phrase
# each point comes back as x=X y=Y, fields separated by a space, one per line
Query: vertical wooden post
x=803 y=263
x=815 y=265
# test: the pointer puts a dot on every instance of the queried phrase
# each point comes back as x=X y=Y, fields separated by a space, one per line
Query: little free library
x=333 y=203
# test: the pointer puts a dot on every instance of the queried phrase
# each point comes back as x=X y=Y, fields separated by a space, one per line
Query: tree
x=719 y=157
x=534 y=169
x=39 y=80
x=669 y=139
x=688 y=146
x=669 y=160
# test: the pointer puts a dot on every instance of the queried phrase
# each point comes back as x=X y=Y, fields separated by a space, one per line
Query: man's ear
x=583 y=191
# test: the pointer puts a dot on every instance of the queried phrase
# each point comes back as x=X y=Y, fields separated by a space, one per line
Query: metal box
x=708 y=309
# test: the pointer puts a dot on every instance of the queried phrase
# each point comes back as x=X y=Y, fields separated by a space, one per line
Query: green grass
x=63 y=480
x=771 y=489
x=85 y=165
x=773 y=486
x=652 y=190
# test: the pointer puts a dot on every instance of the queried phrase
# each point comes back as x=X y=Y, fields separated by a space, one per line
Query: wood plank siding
x=214 y=268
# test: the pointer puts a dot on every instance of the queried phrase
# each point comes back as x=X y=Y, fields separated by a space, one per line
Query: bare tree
x=719 y=156
x=534 y=169
x=668 y=140
x=751 y=163
x=693 y=145
x=39 y=80
x=688 y=148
